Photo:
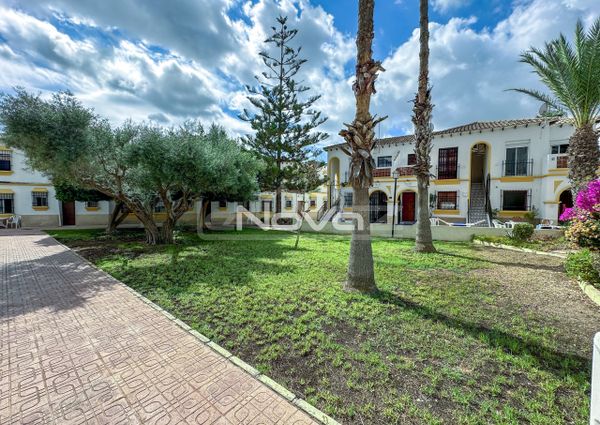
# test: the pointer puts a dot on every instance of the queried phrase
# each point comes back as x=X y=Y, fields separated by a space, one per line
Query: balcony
x=558 y=161
x=382 y=172
x=517 y=168
x=407 y=170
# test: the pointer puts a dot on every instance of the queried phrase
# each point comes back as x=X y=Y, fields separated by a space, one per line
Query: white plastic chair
x=14 y=222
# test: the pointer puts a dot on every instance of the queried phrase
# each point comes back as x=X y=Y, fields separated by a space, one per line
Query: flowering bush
x=584 y=218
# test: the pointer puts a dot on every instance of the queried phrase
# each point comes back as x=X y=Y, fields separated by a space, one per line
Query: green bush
x=580 y=264
x=522 y=232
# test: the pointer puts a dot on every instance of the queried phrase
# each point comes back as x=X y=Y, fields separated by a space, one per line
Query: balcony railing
x=407 y=170
x=382 y=172
x=517 y=168
x=560 y=160
x=448 y=172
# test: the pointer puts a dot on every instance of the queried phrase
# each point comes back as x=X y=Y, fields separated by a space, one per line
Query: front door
x=68 y=213
x=408 y=206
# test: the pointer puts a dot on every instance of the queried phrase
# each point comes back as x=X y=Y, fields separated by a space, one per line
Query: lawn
x=470 y=335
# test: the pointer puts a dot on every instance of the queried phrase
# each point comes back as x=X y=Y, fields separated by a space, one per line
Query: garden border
x=589 y=290
x=300 y=403
x=518 y=249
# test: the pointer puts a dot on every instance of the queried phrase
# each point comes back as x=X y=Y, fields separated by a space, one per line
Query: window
x=5 y=160
x=411 y=159
x=556 y=149
x=515 y=200
x=7 y=203
x=91 y=204
x=384 y=161
x=288 y=203
x=159 y=207
x=348 y=199
x=39 y=199
x=447 y=200
x=222 y=203
x=448 y=163
x=516 y=163
x=313 y=203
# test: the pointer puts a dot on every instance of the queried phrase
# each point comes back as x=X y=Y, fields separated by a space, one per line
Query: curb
x=514 y=248
x=302 y=404
x=589 y=290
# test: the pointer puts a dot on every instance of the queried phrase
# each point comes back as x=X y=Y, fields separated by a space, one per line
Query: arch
x=565 y=200
x=378 y=207
x=333 y=173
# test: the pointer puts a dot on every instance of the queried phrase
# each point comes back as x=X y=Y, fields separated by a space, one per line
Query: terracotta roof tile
x=476 y=126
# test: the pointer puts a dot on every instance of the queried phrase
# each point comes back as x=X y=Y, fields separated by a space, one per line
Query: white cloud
x=471 y=70
x=206 y=57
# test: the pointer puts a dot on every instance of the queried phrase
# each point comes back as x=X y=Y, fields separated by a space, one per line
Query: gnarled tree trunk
x=584 y=157
x=423 y=135
x=117 y=216
x=360 y=137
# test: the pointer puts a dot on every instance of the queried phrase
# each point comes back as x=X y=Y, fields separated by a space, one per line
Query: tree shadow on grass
x=553 y=361
x=222 y=264
x=558 y=268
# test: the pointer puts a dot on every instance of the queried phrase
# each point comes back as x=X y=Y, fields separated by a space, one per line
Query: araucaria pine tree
x=285 y=122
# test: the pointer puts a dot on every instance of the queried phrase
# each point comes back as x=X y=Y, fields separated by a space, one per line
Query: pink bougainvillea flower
x=568 y=214
x=589 y=198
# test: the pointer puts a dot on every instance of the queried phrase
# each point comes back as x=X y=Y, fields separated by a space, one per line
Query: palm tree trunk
x=584 y=157
x=423 y=135
x=360 y=137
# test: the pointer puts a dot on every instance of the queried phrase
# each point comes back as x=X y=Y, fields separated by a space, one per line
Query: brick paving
x=77 y=347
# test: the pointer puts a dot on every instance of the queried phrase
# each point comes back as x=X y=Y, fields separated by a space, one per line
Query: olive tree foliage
x=138 y=165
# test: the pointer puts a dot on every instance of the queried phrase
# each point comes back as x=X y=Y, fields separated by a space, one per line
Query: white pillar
x=595 y=413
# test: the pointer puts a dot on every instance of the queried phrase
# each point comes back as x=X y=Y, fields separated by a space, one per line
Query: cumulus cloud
x=471 y=70
x=166 y=62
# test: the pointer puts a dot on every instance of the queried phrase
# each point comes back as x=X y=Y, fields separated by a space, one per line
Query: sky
x=169 y=61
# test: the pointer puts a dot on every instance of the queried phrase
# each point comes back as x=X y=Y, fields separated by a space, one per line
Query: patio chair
x=14 y=222
x=498 y=224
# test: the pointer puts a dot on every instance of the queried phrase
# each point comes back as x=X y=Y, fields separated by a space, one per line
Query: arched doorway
x=378 y=207
x=407 y=212
x=478 y=162
x=565 y=200
x=333 y=173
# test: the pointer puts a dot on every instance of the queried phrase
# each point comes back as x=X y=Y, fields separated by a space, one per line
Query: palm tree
x=423 y=135
x=572 y=74
x=360 y=138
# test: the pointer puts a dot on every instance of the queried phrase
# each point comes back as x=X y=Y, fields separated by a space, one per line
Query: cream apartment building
x=31 y=195
x=505 y=167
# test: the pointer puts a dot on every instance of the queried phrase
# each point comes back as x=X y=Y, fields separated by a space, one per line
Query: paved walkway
x=77 y=347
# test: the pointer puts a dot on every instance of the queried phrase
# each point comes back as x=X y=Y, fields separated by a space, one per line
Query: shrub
x=584 y=218
x=581 y=264
x=522 y=232
x=532 y=216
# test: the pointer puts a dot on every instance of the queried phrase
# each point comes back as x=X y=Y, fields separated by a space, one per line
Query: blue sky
x=171 y=61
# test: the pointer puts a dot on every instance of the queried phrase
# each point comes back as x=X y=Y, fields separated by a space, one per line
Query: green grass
x=435 y=346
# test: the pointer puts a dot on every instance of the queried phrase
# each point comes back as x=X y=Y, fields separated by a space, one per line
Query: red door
x=408 y=206
x=68 y=213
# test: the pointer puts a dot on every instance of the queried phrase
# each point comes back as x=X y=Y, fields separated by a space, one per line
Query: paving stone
x=79 y=347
